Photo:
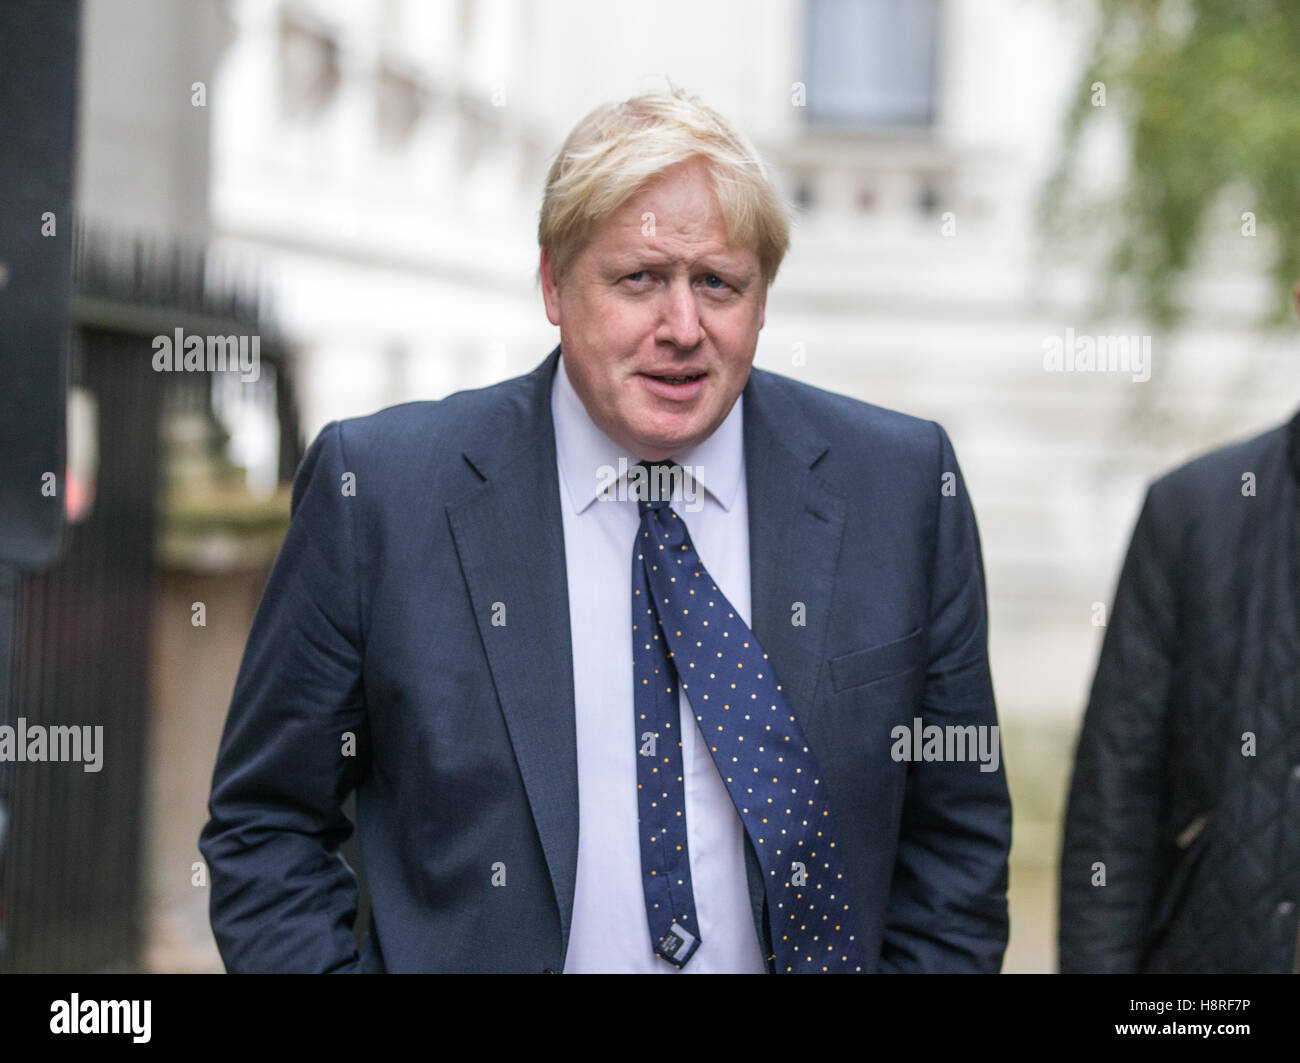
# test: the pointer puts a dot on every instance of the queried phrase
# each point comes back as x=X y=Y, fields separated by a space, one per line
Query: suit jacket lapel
x=509 y=537
x=796 y=525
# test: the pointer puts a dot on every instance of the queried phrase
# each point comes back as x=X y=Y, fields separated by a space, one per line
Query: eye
x=636 y=277
x=714 y=277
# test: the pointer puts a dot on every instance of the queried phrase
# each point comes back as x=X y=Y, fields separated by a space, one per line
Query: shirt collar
x=717 y=463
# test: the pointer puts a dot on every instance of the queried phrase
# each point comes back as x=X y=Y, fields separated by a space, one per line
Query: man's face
x=659 y=317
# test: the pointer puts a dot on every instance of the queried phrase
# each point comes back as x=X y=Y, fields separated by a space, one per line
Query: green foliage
x=1208 y=96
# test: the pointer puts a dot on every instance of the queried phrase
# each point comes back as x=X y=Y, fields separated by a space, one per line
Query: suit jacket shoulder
x=847 y=419
x=439 y=449
x=854 y=446
x=416 y=430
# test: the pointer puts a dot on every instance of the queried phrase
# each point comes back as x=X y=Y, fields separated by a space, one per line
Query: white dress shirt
x=610 y=930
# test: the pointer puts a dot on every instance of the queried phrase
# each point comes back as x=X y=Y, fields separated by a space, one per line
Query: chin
x=643 y=445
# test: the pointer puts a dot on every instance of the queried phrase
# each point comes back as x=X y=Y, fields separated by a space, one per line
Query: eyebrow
x=717 y=262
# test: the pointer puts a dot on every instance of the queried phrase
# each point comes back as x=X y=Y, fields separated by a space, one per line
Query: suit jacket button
x=547 y=970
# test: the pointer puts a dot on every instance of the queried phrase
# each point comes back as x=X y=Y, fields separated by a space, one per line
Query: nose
x=679 y=315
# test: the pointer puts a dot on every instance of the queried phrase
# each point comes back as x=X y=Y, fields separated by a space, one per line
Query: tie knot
x=656 y=481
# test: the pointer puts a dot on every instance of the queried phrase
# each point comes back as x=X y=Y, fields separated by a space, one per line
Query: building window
x=400 y=103
x=309 y=68
x=871 y=63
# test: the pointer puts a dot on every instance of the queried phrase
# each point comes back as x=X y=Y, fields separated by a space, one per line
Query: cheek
x=735 y=334
x=611 y=330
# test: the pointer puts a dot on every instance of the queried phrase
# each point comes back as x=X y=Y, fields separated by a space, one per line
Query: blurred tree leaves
x=1207 y=93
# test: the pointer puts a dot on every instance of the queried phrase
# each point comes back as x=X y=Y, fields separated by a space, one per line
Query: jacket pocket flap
x=878 y=662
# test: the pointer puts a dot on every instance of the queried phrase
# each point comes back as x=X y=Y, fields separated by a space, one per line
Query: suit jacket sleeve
x=948 y=905
x=1114 y=808
x=283 y=899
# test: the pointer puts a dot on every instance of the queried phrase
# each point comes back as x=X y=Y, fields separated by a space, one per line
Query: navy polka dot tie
x=684 y=630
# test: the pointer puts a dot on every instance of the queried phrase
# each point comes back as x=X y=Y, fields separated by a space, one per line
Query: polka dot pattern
x=685 y=630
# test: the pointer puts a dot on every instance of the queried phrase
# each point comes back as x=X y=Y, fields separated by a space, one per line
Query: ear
x=550 y=290
x=1296 y=295
x=762 y=307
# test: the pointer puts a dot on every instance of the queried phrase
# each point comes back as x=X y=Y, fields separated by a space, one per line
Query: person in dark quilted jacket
x=1181 y=850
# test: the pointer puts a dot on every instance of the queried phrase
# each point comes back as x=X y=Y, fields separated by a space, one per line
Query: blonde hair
x=620 y=147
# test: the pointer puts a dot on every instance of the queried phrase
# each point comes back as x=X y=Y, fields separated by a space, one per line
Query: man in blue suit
x=773 y=748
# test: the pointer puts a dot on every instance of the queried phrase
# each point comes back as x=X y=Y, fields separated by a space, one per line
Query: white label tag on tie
x=678 y=939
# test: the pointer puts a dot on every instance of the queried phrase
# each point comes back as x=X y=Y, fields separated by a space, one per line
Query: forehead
x=675 y=210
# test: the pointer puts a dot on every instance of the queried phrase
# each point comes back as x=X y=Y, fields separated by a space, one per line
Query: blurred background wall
x=371 y=172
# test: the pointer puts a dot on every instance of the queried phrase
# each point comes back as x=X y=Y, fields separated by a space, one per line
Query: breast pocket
x=878 y=663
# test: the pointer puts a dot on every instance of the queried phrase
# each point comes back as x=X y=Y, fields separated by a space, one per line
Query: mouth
x=676 y=386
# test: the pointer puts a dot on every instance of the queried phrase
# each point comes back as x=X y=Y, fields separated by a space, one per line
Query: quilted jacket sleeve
x=1111 y=858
